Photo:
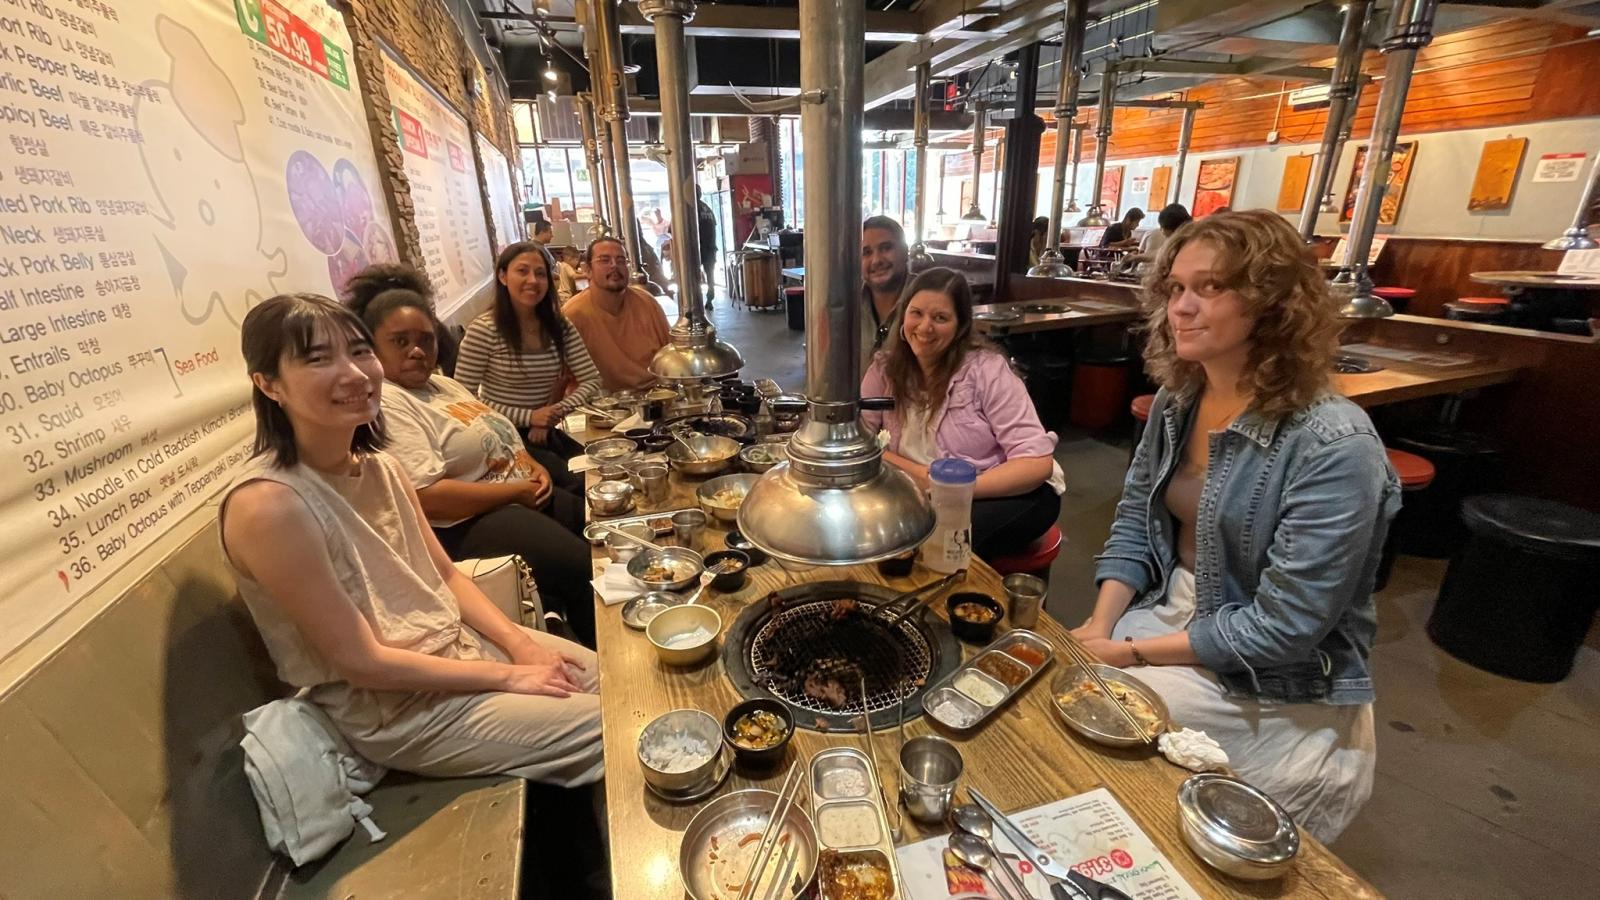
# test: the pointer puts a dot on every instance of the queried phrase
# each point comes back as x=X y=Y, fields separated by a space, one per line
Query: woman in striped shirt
x=520 y=355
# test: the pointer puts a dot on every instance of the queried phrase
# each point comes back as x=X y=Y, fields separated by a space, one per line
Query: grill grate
x=832 y=639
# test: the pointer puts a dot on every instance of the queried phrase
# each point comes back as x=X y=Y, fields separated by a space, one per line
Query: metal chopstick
x=1088 y=665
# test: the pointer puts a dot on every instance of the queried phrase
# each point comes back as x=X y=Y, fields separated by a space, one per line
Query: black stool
x=1520 y=595
x=1463 y=463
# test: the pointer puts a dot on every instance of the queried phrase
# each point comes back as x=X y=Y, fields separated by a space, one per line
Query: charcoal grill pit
x=811 y=630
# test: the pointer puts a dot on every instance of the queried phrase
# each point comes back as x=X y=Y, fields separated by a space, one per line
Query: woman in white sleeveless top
x=358 y=603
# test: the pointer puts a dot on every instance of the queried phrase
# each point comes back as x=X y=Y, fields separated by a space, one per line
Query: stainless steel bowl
x=706 y=494
x=610 y=451
x=686 y=566
x=710 y=454
x=1236 y=828
x=682 y=728
x=760 y=457
x=620 y=549
x=1101 y=722
x=610 y=498
x=711 y=857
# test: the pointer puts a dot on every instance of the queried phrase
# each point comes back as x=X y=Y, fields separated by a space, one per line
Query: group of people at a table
x=1237 y=575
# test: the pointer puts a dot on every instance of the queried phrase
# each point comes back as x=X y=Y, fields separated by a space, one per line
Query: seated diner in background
x=1038 y=240
x=482 y=491
x=1238 y=574
x=357 y=602
x=1172 y=217
x=957 y=396
x=522 y=355
x=621 y=324
x=1121 y=235
x=885 y=267
x=567 y=275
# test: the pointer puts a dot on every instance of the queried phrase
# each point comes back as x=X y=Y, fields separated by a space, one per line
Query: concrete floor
x=1486 y=787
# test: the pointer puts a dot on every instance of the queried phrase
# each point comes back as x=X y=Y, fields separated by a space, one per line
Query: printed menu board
x=503 y=204
x=444 y=187
x=165 y=166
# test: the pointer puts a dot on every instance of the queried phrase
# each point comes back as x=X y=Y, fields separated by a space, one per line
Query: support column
x=1051 y=264
x=1021 y=175
x=1341 y=100
x=1410 y=29
x=668 y=17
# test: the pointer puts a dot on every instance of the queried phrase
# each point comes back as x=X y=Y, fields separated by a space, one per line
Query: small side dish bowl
x=753 y=745
x=736 y=569
x=721 y=497
x=973 y=616
x=610 y=451
x=679 y=749
x=668 y=569
x=684 y=635
x=610 y=498
x=737 y=541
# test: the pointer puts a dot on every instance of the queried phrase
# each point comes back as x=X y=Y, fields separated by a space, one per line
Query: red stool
x=1099 y=388
x=1140 y=407
x=1416 y=473
x=1035 y=559
x=1490 y=310
x=1398 y=297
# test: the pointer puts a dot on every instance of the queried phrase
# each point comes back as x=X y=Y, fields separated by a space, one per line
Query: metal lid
x=1238 y=819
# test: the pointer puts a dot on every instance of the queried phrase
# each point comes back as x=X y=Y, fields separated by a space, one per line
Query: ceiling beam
x=892 y=75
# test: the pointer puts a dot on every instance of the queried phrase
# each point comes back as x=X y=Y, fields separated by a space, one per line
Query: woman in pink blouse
x=957 y=396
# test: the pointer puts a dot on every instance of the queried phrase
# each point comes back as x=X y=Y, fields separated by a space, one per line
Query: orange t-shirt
x=623 y=344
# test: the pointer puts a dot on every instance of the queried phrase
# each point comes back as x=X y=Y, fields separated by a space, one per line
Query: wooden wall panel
x=1440 y=270
x=1504 y=73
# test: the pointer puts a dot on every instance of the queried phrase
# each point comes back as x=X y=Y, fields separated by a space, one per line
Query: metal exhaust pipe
x=598 y=189
x=1051 y=263
x=919 y=258
x=608 y=40
x=1341 y=100
x=1102 y=133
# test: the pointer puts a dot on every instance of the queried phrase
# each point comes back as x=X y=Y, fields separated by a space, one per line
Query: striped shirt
x=516 y=385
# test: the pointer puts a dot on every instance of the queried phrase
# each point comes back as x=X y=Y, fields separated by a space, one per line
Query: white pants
x=1315 y=759
x=554 y=740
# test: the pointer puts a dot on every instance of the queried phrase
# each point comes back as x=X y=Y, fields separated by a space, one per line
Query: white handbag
x=508 y=583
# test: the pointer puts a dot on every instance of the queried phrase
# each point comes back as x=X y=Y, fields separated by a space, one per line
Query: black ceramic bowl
x=737 y=541
x=732 y=580
x=968 y=627
x=637 y=434
x=898 y=566
x=758 y=759
x=655 y=443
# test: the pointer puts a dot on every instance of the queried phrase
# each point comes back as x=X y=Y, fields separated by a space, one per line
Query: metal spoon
x=971 y=818
x=976 y=852
x=632 y=537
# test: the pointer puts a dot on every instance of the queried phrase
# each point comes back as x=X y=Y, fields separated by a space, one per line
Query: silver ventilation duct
x=1342 y=90
x=613 y=87
x=695 y=352
x=919 y=258
x=1185 y=135
x=974 y=213
x=1077 y=157
x=599 y=189
x=1410 y=29
x=834 y=502
x=1051 y=263
x=1102 y=133
x=1577 y=237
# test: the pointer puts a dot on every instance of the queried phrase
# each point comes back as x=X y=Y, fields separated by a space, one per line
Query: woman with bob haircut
x=956 y=396
x=1240 y=564
x=523 y=357
x=484 y=495
x=355 y=598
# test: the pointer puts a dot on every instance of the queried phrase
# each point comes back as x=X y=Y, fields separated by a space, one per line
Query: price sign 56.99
x=270 y=23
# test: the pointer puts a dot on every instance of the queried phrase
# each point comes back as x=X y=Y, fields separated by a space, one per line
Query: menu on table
x=444 y=187
x=165 y=166
x=1090 y=833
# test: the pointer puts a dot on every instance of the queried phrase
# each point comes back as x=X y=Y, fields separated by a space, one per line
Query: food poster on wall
x=1213 y=189
x=434 y=140
x=1160 y=183
x=503 y=205
x=1296 y=176
x=173 y=164
x=1496 y=177
x=1399 y=176
x=1111 y=192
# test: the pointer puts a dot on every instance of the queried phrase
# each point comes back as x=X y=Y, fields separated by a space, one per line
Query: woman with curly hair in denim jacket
x=1240 y=564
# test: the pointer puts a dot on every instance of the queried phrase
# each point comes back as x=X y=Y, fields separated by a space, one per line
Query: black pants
x=557 y=554
x=1002 y=526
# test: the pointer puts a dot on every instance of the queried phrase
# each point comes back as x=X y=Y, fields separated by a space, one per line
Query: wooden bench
x=121 y=773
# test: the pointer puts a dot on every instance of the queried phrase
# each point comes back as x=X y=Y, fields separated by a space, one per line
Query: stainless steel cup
x=653 y=482
x=1024 y=597
x=688 y=528
x=613 y=473
x=930 y=767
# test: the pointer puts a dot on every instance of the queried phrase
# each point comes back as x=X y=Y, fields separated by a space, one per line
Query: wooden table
x=1400 y=381
x=1078 y=314
x=1023 y=758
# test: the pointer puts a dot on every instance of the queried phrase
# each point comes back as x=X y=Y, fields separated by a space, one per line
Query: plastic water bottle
x=950 y=488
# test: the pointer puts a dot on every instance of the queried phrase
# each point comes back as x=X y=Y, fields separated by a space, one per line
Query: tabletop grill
x=811 y=646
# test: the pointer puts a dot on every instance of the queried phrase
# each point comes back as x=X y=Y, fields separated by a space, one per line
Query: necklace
x=1218 y=422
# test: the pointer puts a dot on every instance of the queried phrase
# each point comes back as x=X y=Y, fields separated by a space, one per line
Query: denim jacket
x=1291 y=524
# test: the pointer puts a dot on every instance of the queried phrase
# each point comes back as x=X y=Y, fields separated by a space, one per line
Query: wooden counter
x=1024 y=757
x=1079 y=314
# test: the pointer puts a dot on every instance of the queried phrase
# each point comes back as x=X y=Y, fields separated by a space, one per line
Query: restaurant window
x=793 y=160
x=522 y=117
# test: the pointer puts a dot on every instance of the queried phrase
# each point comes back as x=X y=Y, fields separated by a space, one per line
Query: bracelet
x=1138 y=658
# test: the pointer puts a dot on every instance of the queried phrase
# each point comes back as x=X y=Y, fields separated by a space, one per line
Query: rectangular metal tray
x=828 y=802
x=597 y=535
x=944 y=692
